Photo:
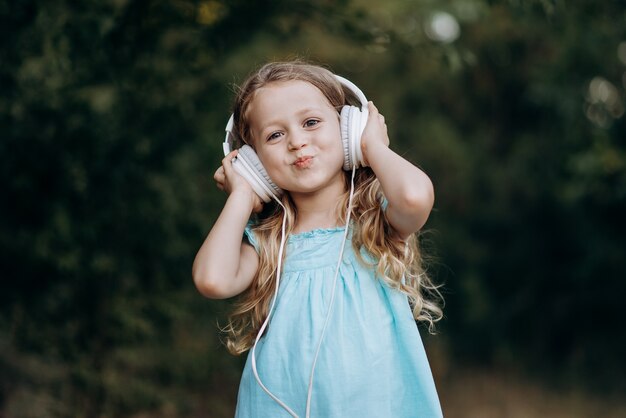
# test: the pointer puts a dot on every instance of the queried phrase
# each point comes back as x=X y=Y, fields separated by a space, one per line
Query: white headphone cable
x=258 y=337
x=332 y=296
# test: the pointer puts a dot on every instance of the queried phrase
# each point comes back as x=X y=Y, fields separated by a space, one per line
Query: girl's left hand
x=374 y=134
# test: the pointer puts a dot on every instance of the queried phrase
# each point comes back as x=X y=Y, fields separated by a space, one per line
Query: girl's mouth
x=303 y=162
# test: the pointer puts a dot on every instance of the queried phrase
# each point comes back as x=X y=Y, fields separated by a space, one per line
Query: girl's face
x=295 y=132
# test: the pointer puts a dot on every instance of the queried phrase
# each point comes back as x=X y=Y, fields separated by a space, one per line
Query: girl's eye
x=311 y=122
x=273 y=135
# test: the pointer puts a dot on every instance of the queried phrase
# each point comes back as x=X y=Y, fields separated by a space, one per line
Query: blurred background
x=112 y=115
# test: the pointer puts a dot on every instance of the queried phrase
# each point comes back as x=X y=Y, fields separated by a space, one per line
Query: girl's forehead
x=283 y=98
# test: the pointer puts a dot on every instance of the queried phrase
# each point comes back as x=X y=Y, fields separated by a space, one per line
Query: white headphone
x=248 y=165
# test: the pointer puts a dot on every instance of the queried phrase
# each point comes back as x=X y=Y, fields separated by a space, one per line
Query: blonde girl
x=328 y=313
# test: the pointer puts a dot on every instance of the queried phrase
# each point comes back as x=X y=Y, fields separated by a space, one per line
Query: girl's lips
x=303 y=162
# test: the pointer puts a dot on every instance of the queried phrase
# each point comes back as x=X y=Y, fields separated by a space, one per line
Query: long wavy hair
x=399 y=262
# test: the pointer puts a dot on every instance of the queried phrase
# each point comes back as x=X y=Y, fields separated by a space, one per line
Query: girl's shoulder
x=250 y=236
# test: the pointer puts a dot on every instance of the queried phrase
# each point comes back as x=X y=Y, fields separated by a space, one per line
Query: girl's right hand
x=230 y=181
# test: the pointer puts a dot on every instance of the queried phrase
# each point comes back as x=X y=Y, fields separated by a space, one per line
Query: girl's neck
x=316 y=220
x=317 y=210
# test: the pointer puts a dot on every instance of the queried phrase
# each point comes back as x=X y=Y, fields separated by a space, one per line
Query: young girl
x=342 y=301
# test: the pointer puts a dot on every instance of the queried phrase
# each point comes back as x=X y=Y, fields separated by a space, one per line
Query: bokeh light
x=604 y=102
x=442 y=27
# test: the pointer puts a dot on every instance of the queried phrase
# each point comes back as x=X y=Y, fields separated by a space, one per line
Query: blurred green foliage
x=111 y=118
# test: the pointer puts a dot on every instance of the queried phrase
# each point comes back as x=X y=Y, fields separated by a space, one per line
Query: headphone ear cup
x=345 y=137
x=352 y=123
x=248 y=165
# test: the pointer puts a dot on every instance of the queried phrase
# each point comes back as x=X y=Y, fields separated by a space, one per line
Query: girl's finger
x=227 y=163
x=219 y=177
x=229 y=158
x=219 y=174
x=372 y=108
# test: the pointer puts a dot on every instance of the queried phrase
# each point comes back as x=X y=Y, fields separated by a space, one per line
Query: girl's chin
x=313 y=188
x=310 y=181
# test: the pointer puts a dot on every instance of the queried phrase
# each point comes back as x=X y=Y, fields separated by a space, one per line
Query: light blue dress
x=372 y=361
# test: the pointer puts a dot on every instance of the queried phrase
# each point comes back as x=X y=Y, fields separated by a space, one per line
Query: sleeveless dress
x=372 y=361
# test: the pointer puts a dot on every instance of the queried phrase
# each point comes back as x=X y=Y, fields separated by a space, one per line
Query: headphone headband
x=229 y=140
x=229 y=132
x=354 y=89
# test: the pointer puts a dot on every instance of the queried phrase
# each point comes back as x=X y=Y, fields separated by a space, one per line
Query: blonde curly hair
x=399 y=262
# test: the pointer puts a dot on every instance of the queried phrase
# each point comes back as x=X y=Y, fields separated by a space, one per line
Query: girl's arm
x=225 y=265
x=408 y=189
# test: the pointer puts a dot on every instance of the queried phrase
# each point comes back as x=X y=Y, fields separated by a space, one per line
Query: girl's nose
x=298 y=140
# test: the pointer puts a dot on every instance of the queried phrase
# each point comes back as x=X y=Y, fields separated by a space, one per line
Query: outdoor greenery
x=112 y=115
